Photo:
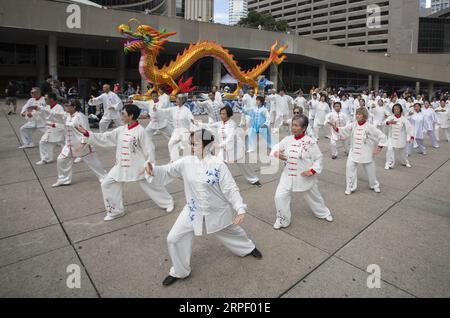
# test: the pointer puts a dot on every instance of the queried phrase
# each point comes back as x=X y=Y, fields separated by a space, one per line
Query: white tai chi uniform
x=443 y=118
x=212 y=109
x=363 y=138
x=399 y=135
x=417 y=123
x=378 y=117
x=340 y=120
x=75 y=147
x=112 y=107
x=283 y=104
x=321 y=111
x=211 y=195
x=180 y=117
x=54 y=133
x=132 y=152
x=348 y=109
x=429 y=120
x=33 y=123
x=159 y=121
x=301 y=102
x=231 y=147
x=272 y=101
x=303 y=154
x=248 y=102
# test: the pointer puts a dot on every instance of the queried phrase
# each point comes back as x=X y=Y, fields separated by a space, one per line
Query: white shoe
x=58 y=184
x=408 y=165
x=112 y=216
x=377 y=189
x=77 y=160
x=348 y=192
x=329 y=218
x=387 y=167
x=157 y=133
x=278 y=225
x=170 y=209
x=41 y=163
x=26 y=146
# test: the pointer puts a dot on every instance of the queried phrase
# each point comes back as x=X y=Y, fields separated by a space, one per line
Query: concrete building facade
x=438 y=5
x=237 y=9
x=41 y=37
x=367 y=25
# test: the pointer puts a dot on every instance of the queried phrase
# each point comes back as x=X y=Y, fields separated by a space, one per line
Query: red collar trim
x=299 y=137
x=133 y=126
x=360 y=123
x=398 y=116
x=51 y=107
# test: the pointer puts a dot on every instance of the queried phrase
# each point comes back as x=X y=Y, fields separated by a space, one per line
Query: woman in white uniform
x=429 y=120
x=417 y=122
x=303 y=161
x=399 y=135
x=211 y=196
x=363 y=139
x=132 y=152
x=443 y=117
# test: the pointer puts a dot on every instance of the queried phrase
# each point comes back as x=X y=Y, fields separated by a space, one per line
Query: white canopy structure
x=228 y=79
x=87 y=2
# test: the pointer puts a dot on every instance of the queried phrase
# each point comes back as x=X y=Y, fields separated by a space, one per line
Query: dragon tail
x=275 y=57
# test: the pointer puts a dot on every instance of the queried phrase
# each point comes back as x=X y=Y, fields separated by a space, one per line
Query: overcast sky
x=221 y=11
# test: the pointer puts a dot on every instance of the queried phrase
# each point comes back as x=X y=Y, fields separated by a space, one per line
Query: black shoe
x=169 y=280
x=258 y=184
x=256 y=253
x=9 y=113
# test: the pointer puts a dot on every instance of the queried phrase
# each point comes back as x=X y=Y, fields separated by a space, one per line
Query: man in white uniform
x=112 y=106
x=34 y=122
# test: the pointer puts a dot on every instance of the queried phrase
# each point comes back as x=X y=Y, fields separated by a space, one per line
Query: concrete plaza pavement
x=405 y=230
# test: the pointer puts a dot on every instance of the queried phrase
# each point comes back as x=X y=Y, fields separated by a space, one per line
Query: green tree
x=255 y=19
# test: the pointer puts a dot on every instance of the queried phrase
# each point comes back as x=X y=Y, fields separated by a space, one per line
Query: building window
x=13 y=54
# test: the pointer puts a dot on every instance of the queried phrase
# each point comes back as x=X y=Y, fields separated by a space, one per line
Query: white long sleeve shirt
x=212 y=109
x=363 y=139
x=321 y=111
x=180 y=117
x=443 y=117
x=340 y=120
x=112 y=105
x=399 y=133
x=302 y=155
x=158 y=119
x=38 y=120
x=210 y=190
x=54 y=130
x=429 y=118
x=378 y=115
x=417 y=123
x=132 y=151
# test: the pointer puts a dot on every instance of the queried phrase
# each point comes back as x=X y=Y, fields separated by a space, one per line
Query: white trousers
x=312 y=197
x=446 y=131
x=64 y=165
x=352 y=174
x=248 y=172
x=390 y=156
x=420 y=147
x=26 y=132
x=178 y=141
x=113 y=194
x=280 y=117
x=316 y=130
x=333 y=146
x=46 y=149
x=179 y=242
x=104 y=123
x=433 y=138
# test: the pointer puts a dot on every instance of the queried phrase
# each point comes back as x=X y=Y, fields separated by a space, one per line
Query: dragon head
x=144 y=38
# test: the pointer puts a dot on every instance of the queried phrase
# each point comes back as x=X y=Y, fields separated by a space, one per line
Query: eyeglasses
x=296 y=113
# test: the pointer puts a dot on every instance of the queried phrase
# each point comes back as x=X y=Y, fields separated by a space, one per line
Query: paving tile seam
x=382 y=279
x=16 y=182
x=56 y=215
x=365 y=228
x=29 y=231
x=35 y=255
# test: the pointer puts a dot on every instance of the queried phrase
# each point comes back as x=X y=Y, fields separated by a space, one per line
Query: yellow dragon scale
x=150 y=41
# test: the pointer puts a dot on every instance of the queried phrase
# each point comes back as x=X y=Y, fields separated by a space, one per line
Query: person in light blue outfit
x=259 y=123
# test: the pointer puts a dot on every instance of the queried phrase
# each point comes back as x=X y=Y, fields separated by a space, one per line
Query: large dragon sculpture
x=151 y=41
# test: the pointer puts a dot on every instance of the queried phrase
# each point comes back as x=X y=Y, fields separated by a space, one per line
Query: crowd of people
x=201 y=153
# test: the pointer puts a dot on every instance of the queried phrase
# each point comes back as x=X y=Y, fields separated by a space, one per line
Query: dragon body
x=150 y=42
